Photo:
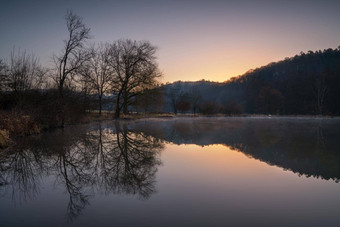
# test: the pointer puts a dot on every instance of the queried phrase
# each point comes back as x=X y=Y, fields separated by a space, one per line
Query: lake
x=276 y=171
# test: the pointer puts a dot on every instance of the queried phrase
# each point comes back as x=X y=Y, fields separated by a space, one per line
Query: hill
x=307 y=83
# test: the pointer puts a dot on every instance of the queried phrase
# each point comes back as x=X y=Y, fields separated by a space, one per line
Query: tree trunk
x=100 y=105
x=117 y=109
x=61 y=112
x=61 y=106
x=125 y=106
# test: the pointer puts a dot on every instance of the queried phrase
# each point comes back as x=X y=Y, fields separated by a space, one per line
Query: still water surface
x=176 y=172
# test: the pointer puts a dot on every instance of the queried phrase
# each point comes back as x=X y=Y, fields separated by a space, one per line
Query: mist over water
x=179 y=171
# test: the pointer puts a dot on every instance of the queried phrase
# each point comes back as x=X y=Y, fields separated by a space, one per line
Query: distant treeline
x=122 y=76
x=308 y=83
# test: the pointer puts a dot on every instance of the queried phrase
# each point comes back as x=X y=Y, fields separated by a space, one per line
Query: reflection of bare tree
x=20 y=173
x=102 y=159
x=74 y=178
x=135 y=162
x=124 y=161
x=113 y=162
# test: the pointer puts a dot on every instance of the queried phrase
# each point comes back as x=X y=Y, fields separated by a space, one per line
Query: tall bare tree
x=73 y=56
x=71 y=59
x=97 y=72
x=134 y=69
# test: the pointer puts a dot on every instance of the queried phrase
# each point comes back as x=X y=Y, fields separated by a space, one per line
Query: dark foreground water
x=176 y=172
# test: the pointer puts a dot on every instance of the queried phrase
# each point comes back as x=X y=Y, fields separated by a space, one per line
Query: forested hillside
x=308 y=83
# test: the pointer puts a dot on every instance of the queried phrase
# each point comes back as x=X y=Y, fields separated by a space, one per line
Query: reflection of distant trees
x=306 y=147
x=103 y=159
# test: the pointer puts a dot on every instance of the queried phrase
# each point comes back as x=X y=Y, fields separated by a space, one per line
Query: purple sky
x=212 y=40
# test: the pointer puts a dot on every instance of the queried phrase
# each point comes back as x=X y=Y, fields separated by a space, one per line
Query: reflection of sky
x=197 y=186
x=197 y=39
x=242 y=190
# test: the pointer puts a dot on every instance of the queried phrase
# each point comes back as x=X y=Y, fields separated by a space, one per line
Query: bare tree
x=134 y=69
x=73 y=56
x=24 y=72
x=71 y=59
x=97 y=72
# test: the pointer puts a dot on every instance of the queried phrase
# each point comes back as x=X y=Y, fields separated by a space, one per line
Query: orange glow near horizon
x=205 y=165
x=211 y=40
x=215 y=157
x=221 y=65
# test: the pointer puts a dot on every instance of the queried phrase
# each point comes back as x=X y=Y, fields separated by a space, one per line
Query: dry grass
x=17 y=124
x=4 y=139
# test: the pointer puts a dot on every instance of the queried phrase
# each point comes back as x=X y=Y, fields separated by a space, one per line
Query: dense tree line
x=307 y=83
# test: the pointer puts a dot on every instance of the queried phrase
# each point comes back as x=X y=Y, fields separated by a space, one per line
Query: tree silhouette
x=71 y=59
x=97 y=73
x=134 y=69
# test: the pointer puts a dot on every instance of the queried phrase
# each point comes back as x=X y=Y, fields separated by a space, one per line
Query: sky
x=212 y=39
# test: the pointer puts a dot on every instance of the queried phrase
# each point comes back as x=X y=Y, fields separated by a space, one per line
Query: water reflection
x=20 y=174
x=308 y=147
x=102 y=159
x=123 y=157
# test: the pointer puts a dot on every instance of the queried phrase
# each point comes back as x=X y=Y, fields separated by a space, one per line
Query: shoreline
x=8 y=135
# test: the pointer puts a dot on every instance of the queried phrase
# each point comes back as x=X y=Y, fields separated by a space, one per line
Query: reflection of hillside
x=105 y=159
x=307 y=147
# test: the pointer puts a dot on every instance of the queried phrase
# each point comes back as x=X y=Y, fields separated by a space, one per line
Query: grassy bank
x=13 y=124
x=16 y=123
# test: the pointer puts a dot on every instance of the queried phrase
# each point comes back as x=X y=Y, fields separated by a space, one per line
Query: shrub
x=18 y=124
